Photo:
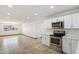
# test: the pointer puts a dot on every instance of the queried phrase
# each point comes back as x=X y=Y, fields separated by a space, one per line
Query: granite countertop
x=72 y=37
x=48 y=33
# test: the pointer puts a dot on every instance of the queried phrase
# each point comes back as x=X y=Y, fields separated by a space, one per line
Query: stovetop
x=55 y=36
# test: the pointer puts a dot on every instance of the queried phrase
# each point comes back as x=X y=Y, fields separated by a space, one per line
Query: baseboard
x=10 y=35
x=64 y=52
x=19 y=34
x=30 y=36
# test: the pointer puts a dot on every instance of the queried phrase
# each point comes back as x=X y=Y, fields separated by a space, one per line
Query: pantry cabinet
x=66 y=45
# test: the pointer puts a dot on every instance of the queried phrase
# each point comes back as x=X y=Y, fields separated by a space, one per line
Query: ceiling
x=25 y=13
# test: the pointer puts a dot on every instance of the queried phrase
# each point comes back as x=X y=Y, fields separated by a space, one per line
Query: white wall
x=2 y=32
x=31 y=29
x=37 y=28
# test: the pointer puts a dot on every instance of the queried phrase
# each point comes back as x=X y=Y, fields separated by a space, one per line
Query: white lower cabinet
x=75 y=46
x=66 y=45
x=46 y=40
x=70 y=46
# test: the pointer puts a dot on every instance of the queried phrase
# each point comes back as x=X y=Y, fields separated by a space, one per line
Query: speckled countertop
x=76 y=37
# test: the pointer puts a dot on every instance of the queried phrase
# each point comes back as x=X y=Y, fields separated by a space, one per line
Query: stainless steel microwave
x=59 y=24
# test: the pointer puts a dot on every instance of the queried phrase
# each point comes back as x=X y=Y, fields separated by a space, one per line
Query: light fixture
x=8 y=13
x=10 y=6
x=35 y=14
x=51 y=7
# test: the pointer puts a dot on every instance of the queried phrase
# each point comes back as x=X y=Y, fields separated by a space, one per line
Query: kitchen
x=69 y=29
x=55 y=27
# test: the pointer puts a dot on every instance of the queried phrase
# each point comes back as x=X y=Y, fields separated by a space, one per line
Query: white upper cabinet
x=75 y=20
x=60 y=18
x=54 y=20
x=68 y=21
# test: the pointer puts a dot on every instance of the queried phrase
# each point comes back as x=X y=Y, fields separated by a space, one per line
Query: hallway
x=20 y=44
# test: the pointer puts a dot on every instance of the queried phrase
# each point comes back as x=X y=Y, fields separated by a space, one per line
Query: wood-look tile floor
x=21 y=44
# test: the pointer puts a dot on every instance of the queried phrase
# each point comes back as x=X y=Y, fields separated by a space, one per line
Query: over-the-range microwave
x=59 y=24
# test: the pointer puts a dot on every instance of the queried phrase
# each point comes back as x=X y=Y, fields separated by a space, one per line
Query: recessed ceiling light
x=35 y=14
x=10 y=6
x=8 y=13
x=51 y=7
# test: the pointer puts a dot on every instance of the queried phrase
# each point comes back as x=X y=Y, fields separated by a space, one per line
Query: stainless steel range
x=56 y=40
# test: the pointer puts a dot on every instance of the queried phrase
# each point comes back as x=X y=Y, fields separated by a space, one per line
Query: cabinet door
x=66 y=45
x=75 y=46
x=54 y=20
x=60 y=19
x=67 y=21
x=75 y=19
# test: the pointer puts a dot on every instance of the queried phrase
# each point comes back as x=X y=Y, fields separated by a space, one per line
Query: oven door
x=56 y=41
